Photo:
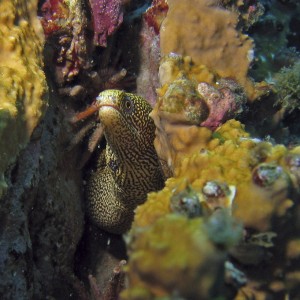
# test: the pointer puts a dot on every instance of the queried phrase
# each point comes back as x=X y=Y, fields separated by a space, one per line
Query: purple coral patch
x=107 y=17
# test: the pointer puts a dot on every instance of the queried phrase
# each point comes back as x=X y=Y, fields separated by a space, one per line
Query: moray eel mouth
x=108 y=105
x=107 y=102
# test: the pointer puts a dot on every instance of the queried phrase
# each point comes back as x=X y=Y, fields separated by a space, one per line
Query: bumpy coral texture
x=227 y=155
x=189 y=263
x=22 y=80
x=251 y=179
x=191 y=96
x=210 y=37
x=213 y=165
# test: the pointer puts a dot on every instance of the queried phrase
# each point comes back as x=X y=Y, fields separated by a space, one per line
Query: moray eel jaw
x=108 y=105
x=108 y=115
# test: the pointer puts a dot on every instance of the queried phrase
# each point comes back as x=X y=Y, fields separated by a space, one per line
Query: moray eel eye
x=128 y=105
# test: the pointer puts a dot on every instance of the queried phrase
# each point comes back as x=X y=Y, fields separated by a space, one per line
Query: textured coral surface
x=256 y=182
x=191 y=255
x=209 y=36
x=22 y=80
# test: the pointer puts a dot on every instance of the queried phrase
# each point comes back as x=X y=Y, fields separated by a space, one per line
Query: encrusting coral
x=22 y=80
x=210 y=37
x=190 y=96
x=254 y=182
x=229 y=156
x=167 y=263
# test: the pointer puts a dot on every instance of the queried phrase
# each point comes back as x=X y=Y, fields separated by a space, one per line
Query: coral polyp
x=186 y=203
x=218 y=195
x=265 y=175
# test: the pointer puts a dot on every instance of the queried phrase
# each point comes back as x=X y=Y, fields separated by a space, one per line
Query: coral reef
x=253 y=182
x=229 y=147
x=240 y=191
x=185 y=101
x=215 y=167
x=162 y=262
x=226 y=224
x=22 y=80
x=210 y=37
x=81 y=59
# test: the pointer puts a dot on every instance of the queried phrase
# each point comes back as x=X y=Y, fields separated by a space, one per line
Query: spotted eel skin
x=128 y=168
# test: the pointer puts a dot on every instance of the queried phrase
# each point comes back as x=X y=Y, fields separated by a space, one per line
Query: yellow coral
x=173 y=66
x=250 y=179
x=227 y=155
x=178 y=258
x=22 y=80
x=210 y=37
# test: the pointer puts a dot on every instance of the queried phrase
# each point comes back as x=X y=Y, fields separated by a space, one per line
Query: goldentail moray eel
x=128 y=168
